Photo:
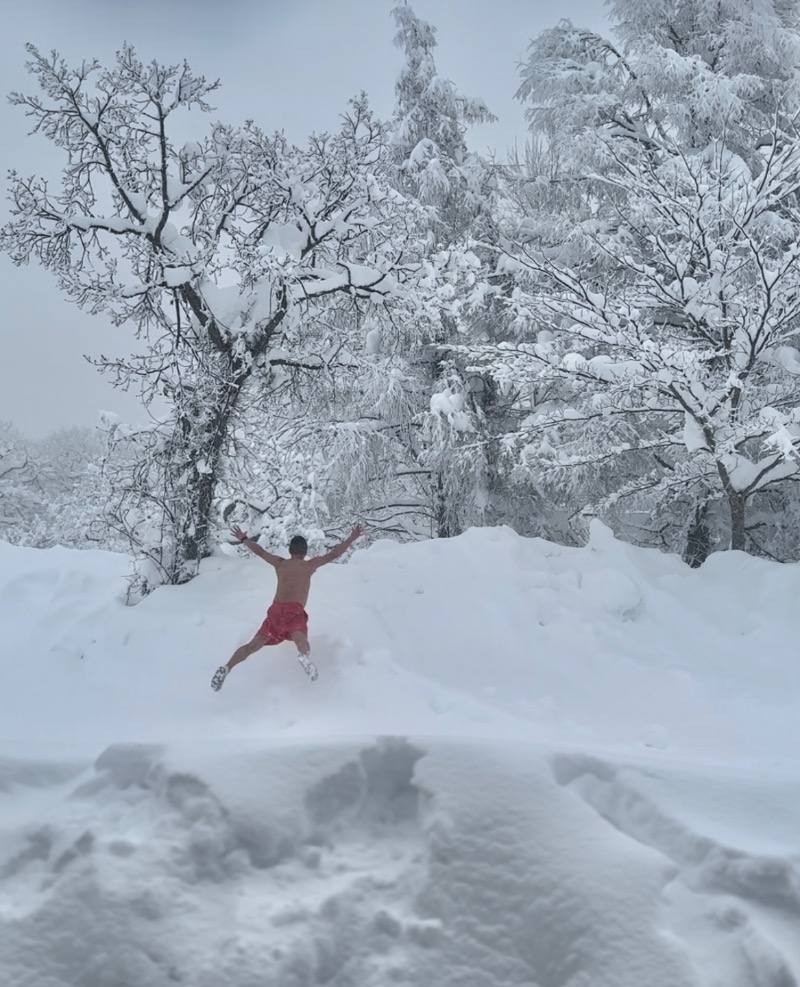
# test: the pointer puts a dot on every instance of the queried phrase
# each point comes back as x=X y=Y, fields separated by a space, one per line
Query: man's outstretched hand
x=357 y=532
x=237 y=533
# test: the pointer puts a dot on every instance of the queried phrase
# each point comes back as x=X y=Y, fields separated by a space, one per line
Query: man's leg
x=238 y=656
x=301 y=640
x=248 y=649
x=303 y=650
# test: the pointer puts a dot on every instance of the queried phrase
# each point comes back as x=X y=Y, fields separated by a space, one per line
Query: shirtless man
x=286 y=619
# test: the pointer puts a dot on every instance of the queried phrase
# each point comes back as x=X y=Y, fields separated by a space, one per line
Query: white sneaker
x=308 y=667
x=219 y=677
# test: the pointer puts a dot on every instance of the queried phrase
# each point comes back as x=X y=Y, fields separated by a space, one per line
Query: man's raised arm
x=340 y=549
x=254 y=547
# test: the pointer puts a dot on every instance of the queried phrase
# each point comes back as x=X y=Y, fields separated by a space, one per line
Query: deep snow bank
x=598 y=782
x=487 y=634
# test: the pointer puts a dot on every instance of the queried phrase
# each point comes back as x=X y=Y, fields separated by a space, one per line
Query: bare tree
x=20 y=493
x=683 y=351
x=220 y=252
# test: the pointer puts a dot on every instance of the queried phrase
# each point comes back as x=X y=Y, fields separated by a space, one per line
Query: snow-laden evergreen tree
x=428 y=143
x=431 y=161
x=654 y=258
x=226 y=254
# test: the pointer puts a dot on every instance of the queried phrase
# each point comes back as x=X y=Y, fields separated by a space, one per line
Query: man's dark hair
x=298 y=546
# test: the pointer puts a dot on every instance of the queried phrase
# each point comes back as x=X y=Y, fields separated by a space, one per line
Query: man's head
x=298 y=547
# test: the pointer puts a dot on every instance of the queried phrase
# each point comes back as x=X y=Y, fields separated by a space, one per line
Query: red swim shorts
x=283 y=620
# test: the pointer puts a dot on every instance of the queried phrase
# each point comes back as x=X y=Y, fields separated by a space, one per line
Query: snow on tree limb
x=215 y=251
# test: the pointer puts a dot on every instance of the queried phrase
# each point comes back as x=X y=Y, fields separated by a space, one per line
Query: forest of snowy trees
x=384 y=324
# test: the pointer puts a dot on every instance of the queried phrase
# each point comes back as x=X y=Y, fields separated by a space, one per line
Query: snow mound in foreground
x=418 y=862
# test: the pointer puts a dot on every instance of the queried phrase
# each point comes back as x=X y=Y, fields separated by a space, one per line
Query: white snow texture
x=523 y=765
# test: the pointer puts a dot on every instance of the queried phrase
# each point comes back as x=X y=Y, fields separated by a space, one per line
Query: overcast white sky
x=287 y=64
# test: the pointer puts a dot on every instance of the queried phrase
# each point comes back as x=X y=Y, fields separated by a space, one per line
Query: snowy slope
x=522 y=764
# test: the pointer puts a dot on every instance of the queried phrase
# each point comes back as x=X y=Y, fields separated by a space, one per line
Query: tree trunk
x=698 y=539
x=443 y=526
x=737 y=503
x=203 y=427
x=204 y=431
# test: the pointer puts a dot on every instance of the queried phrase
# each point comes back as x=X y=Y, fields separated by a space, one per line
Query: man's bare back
x=286 y=619
x=294 y=580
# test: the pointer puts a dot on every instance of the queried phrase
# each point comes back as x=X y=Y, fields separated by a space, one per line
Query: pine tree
x=432 y=162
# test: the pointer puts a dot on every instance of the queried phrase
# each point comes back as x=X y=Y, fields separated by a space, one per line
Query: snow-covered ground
x=522 y=764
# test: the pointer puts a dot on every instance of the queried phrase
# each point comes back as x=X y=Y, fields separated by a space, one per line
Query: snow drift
x=522 y=764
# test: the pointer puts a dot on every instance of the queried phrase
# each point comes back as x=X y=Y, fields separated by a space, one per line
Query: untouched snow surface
x=522 y=764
